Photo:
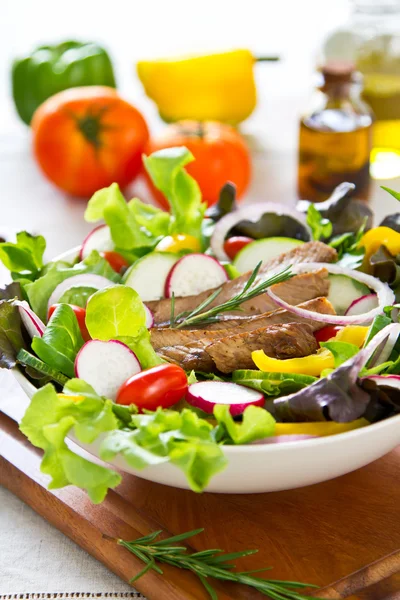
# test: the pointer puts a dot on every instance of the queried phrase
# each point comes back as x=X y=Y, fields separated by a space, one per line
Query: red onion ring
x=385 y=295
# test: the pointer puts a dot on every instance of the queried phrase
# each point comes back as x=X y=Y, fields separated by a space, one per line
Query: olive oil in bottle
x=335 y=136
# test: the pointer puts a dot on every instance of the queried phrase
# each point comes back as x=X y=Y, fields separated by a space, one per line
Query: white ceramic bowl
x=269 y=468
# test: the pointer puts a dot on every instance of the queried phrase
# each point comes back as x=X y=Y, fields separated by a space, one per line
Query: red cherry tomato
x=115 y=260
x=163 y=386
x=234 y=245
x=327 y=333
x=80 y=314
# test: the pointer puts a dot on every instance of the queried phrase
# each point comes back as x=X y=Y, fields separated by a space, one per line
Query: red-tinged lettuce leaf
x=11 y=291
x=337 y=397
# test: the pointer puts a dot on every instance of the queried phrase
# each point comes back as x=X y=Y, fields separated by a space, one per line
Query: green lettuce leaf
x=25 y=256
x=257 y=424
x=132 y=225
x=341 y=351
x=166 y=169
x=391 y=192
x=47 y=421
x=320 y=227
x=61 y=341
x=11 y=338
x=77 y=296
x=165 y=435
x=118 y=313
x=39 y=291
x=272 y=384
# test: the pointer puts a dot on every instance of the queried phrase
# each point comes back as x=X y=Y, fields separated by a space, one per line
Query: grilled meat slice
x=190 y=359
x=290 y=340
x=295 y=290
x=161 y=337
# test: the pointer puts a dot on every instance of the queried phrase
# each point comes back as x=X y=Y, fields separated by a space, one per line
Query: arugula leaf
x=11 y=339
x=118 y=313
x=341 y=351
x=61 y=341
x=166 y=169
x=391 y=192
x=320 y=227
x=47 y=421
x=132 y=225
x=257 y=424
x=39 y=291
x=25 y=256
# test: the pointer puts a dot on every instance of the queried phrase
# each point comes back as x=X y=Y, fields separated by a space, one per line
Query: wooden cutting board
x=317 y=534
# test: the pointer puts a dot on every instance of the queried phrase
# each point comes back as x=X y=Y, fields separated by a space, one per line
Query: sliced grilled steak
x=190 y=359
x=290 y=340
x=161 y=337
x=295 y=290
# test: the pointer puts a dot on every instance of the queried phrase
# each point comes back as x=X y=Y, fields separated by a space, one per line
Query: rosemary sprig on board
x=208 y=564
x=201 y=316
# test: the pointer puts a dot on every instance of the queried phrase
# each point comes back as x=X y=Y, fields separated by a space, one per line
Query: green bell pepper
x=51 y=69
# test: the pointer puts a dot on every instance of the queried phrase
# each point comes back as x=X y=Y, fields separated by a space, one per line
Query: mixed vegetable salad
x=170 y=335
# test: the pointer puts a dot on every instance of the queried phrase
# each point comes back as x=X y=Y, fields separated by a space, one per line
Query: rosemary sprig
x=200 y=315
x=208 y=564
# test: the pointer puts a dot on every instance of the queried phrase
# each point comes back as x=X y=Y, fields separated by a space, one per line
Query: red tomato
x=80 y=314
x=86 y=138
x=115 y=260
x=221 y=154
x=234 y=245
x=163 y=386
x=326 y=333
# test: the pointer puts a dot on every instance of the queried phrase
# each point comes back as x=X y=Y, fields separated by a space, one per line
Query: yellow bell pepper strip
x=377 y=237
x=352 y=334
x=214 y=87
x=178 y=242
x=307 y=365
x=321 y=429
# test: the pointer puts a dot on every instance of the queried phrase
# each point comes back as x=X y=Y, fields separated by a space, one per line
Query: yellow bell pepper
x=320 y=428
x=380 y=236
x=352 y=334
x=177 y=243
x=214 y=87
x=71 y=398
x=307 y=365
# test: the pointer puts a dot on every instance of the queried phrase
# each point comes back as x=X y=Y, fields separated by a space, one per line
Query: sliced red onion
x=250 y=213
x=392 y=381
x=384 y=294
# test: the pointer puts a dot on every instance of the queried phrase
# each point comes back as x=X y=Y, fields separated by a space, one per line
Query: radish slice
x=106 y=366
x=206 y=394
x=249 y=213
x=89 y=280
x=149 y=317
x=392 y=381
x=147 y=276
x=31 y=321
x=385 y=296
x=362 y=305
x=193 y=274
x=99 y=239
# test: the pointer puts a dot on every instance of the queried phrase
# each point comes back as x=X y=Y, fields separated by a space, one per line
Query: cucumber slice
x=249 y=257
x=343 y=291
x=148 y=274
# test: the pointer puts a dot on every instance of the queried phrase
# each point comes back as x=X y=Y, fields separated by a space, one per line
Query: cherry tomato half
x=115 y=260
x=234 y=245
x=327 y=333
x=80 y=314
x=163 y=386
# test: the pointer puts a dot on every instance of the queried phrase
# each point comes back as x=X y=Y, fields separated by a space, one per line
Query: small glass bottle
x=335 y=136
